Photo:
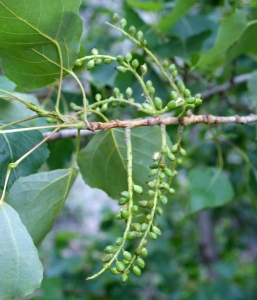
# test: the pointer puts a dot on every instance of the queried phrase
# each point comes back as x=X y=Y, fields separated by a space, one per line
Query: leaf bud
x=116 y=92
x=158 y=102
x=144 y=227
x=150 y=204
x=114 y=271
x=118 y=216
x=136 y=226
x=107 y=61
x=174 y=95
x=149 y=83
x=187 y=93
x=190 y=100
x=134 y=209
x=172 y=191
x=140 y=262
x=132 y=30
x=123 y=22
x=174 y=73
x=171 y=156
x=179 y=161
x=165 y=63
x=120 y=266
x=168 y=172
x=143 y=42
x=153 y=172
x=174 y=148
x=109 y=249
x=104 y=107
x=124 y=278
x=98 y=97
x=140 y=35
x=136 y=270
x=153 y=235
x=181 y=85
x=127 y=255
x=121 y=69
x=97 y=61
x=149 y=217
x=90 y=64
x=163 y=200
x=120 y=59
x=137 y=251
x=171 y=105
x=151 y=90
x=142 y=203
x=115 y=17
x=144 y=252
x=124 y=214
x=134 y=63
x=182 y=152
x=122 y=201
x=151 y=184
x=154 y=165
x=198 y=101
x=119 y=241
x=157 y=230
x=125 y=194
x=190 y=106
x=172 y=68
x=143 y=69
x=138 y=189
x=151 y=193
x=128 y=57
x=131 y=235
x=129 y=92
x=94 y=51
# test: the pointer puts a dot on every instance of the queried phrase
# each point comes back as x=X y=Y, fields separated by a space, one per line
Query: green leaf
x=39 y=198
x=252 y=88
x=208 y=187
x=180 y=9
x=34 y=38
x=103 y=162
x=21 y=270
x=230 y=30
x=145 y=5
x=6 y=84
x=252 y=184
x=15 y=145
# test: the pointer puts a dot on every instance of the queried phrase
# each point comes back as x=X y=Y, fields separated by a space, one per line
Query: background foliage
x=201 y=255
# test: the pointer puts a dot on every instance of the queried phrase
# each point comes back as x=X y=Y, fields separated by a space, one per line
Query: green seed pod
x=151 y=90
x=125 y=194
x=179 y=161
x=190 y=106
x=163 y=200
x=165 y=63
x=150 y=204
x=114 y=271
x=120 y=266
x=124 y=214
x=94 y=51
x=159 y=211
x=107 y=61
x=125 y=262
x=143 y=69
x=98 y=61
x=98 y=97
x=137 y=251
x=156 y=230
x=134 y=63
x=153 y=235
x=136 y=271
x=149 y=217
x=78 y=63
x=121 y=69
x=119 y=241
x=172 y=191
x=134 y=209
x=182 y=152
x=140 y=262
x=144 y=252
x=171 y=105
x=143 y=42
x=147 y=106
x=171 y=156
x=128 y=57
x=168 y=172
x=120 y=59
x=198 y=102
x=165 y=149
x=123 y=22
x=151 y=193
x=129 y=92
x=115 y=18
x=114 y=104
x=90 y=64
x=127 y=255
x=174 y=95
x=151 y=184
x=144 y=242
x=132 y=30
x=131 y=235
x=162 y=175
x=187 y=93
x=124 y=278
x=165 y=185
x=198 y=96
x=140 y=35
x=106 y=266
x=172 y=68
x=122 y=201
x=138 y=234
x=153 y=172
x=190 y=100
x=106 y=258
x=109 y=249
x=174 y=148
x=158 y=102
x=154 y=165
x=116 y=91
x=142 y=203
x=144 y=227
x=149 y=84
x=118 y=216
x=136 y=226
x=174 y=73
x=104 y=108
x=138 y=189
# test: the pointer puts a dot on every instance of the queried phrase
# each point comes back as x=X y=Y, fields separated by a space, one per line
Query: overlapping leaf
x=208 y=187
x=35 y=36
x=103 y=162
x=15 y=145
x=21 y=270
x=39 y=198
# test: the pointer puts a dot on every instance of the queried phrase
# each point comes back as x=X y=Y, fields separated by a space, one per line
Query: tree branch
x=192 y=119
